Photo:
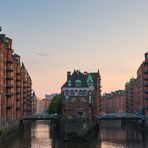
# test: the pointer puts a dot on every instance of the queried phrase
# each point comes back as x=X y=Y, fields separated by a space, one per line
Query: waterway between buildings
x=40 y=135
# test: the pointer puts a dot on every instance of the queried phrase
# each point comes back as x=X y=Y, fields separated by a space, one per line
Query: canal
x=40 y=135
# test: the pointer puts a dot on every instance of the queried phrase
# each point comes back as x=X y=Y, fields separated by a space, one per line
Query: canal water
x=40 y=135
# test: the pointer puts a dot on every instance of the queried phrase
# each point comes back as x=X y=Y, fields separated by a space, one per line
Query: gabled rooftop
x=78 y=79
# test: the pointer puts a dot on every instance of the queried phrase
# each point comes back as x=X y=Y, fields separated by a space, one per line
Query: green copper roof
x=78 y=81
x=89 y=79
x=69 y=83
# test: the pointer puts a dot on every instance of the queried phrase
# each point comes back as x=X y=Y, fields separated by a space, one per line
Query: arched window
x=72 y=93
x=80 y=93
x=66 y=92
x=76 y=93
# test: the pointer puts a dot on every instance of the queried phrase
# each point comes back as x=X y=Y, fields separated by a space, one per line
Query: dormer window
x=78 y=83
x=69 y=83
x=89 y=80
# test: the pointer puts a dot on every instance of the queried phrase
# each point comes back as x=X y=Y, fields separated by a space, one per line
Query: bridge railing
x=47 y=116
x=120 y=115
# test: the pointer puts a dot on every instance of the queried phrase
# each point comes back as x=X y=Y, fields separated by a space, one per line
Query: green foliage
x=55 y=105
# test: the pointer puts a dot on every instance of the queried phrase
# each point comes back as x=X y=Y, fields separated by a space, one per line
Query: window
x=76 y=93
x=66 y=92
x=80 y=93
x=90 y=99
x=83 y=100
x=84 y=93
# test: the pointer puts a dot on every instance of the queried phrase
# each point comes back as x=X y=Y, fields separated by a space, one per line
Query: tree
x=55 y=105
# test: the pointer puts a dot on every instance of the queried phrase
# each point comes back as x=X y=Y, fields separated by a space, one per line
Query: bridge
x=120 y=116
x=41 y=117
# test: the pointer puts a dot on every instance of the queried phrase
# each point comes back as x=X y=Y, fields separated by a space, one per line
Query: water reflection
x=41 y=135
x=113 y=136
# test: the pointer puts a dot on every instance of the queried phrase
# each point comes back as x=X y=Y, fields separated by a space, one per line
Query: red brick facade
x=15 y=83
x=135 y=96
x=130 y=103
x=142 y=88
x=113 y=102
x=81 y=95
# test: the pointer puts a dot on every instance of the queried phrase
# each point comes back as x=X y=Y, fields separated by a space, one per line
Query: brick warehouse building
x=135 y=93
x=141 y=88
x=130 y=106
x=81 y=95
x=15 y=85
x=113 y=102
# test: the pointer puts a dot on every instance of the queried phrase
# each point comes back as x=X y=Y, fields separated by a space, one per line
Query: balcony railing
x=9 y=60
x=9 y=106
x=10 y=94
x=10 y=85
x=18 y=77
x=10 y=68
x=10 y=76
x=17 y=99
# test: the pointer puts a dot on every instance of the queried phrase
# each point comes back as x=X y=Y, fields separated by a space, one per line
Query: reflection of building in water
x=119 y=134
x=40 y=135
x=121 y=137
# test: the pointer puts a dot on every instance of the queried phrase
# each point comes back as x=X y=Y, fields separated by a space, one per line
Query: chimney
x=68 y=75
x=146 y=56
x=85 y=73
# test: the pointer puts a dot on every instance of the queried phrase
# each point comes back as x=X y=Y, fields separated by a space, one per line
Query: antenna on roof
x=0 y=28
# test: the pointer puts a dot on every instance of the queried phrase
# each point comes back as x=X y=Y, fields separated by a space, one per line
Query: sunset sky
x=56 y=36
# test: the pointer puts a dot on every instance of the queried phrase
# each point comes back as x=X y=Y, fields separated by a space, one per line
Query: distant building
x=113 y=102
x=81 y=95
x=135 y=96
x=42 y=105
x=130 y=94
x=34 y=103
x=137 y=90
x=46 y=104
x=141 y=99
x=50 y=97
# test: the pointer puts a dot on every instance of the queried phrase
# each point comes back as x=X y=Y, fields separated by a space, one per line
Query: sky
x=56 y=36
